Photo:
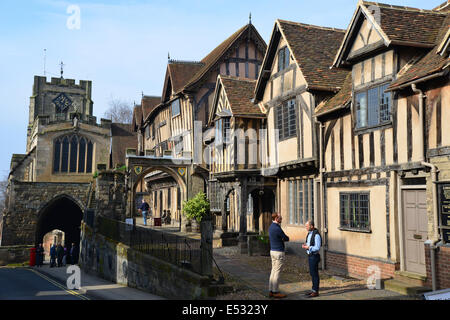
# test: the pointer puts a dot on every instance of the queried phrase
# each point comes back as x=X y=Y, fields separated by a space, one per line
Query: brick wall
x=357 y=266
x=442 y=256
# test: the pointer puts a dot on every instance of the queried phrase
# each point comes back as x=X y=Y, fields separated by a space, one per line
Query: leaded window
x=354 y=211
x=72 y=154
x=283 y=58
x=286 y=121
x=373 y=107
x=301 y=201
x=176 y=108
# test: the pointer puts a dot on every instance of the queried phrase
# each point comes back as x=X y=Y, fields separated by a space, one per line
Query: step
x=404 y=288
x=410 y=277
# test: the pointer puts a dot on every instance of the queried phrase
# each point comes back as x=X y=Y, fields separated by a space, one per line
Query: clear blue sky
x=122 y=46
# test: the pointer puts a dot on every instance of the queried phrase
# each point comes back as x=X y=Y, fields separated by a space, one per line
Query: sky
x=122 y=46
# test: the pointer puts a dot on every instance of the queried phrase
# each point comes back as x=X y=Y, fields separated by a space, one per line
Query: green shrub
x=196 y=208
x=263 y=237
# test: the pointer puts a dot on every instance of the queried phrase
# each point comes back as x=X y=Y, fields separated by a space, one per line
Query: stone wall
x=14 y=254
x=119 y=263
x=26 y=200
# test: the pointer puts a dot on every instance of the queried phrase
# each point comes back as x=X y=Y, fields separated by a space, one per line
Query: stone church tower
x=49 y=184
x=64 y=142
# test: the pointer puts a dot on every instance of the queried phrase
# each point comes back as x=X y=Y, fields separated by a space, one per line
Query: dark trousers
x=314 y=271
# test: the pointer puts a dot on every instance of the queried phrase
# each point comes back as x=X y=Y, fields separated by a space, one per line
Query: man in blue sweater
x=277 y=239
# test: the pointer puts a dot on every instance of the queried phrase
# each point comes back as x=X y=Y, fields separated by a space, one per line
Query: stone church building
x=48 y=185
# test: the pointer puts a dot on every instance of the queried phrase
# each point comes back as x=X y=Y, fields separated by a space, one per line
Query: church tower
x=59 y=100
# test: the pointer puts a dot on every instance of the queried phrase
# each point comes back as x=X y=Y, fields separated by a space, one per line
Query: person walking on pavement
x=144 y=210
x=59 y=254
x=312 y=246
x=53 y=256
x=277 y=238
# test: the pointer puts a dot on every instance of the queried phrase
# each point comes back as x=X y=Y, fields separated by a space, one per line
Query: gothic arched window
x=72 y=154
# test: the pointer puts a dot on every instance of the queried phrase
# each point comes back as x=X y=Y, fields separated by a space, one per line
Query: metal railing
x=178 y=250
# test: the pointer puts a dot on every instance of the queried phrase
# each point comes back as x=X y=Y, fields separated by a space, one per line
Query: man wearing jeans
x=144 y=209
x=312 y=246
x=277 y=239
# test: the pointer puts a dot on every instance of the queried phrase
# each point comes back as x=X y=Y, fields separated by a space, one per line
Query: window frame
x=285 y=64
x=70 y=162
x=301 y=201
x=348 y=227
x=291 y=127
x=365 y=90
x=179 y=108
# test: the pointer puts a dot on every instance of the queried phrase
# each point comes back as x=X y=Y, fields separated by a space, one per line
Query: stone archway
x=171 y=172
x=62 y=213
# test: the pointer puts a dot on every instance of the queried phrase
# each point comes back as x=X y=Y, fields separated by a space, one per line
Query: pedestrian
x=143 y=208
x=277 y=238
x=73 y=254
x=53 y=256
x=59 y=254
x=64 y=259
x=39 y=255
x=312 y=246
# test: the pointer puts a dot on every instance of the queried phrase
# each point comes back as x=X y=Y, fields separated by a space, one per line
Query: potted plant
x=196 y=209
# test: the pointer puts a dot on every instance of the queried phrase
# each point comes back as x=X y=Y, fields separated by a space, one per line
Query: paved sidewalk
x=96 y=288
x=251 y=276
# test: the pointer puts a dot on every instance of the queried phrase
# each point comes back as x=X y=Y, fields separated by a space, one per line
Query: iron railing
x=178 y=250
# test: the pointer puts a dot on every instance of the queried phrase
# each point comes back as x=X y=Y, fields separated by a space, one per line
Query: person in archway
x=144 y=210
x=53 y=255
x=60 y=254
x=73 y=254
x=39 y=255
x=65 y=256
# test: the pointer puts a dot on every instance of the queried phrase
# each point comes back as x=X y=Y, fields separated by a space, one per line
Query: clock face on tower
x=62 y=103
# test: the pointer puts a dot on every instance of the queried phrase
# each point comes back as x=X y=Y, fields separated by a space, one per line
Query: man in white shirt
x=312 y=246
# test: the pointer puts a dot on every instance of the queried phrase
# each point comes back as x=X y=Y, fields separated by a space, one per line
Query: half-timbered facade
x=295 y=77
x=381 y=137
x=173 y=129
x=241 y=198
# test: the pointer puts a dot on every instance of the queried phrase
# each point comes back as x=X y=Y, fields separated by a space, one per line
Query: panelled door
x=415 y=229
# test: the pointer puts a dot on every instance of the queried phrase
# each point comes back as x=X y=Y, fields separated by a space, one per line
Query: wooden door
x=415 y=229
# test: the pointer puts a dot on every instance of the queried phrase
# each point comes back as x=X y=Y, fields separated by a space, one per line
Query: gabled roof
x=338 y=101
x=396 y=25
x=148 y=103
x=429 y=64
x=313 y=49
x=239 y=93
x=122 y=138
x=179 y=73
x=213 y=58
